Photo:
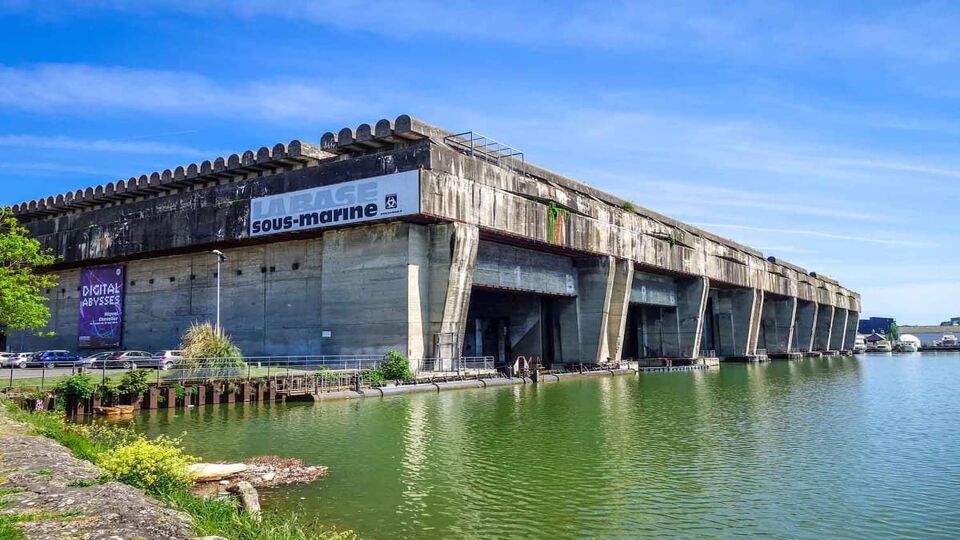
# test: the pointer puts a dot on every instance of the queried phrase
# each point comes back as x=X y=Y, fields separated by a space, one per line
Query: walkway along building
x=402 y=235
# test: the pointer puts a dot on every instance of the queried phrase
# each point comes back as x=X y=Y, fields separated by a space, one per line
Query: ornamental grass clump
x=209 y=353
x=160 y=467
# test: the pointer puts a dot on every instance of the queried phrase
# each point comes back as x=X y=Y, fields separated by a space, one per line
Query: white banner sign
x=380 y=197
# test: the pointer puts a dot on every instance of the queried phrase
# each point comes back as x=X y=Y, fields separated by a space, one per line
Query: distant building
x=928 y=334
x=954 y=321
x=879 y=325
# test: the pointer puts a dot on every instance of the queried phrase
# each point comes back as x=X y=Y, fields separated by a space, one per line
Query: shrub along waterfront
x=160 y=467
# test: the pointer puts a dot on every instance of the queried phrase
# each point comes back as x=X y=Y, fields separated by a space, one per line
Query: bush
x=107 y=436
x=372 y=376
x=209 y=354
x=108 y=390
x=78 y=386
x=159 y=467
x=134 y=382
x=395 y=367
x=202 y=342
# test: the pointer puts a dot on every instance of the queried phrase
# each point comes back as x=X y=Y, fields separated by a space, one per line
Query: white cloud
x=822 y=234
x=79 y=88
x=127 y=146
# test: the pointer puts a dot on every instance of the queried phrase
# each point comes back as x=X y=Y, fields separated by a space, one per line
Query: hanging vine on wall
x=557 y=218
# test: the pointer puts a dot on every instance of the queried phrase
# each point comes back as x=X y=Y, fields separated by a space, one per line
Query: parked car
x=89 y=360
x=5 y=358
x=47 y=359
x=20 y=360
x=166 y=359
x=125 y=360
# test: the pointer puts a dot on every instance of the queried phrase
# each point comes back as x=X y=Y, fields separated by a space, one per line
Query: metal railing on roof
x=480 y=146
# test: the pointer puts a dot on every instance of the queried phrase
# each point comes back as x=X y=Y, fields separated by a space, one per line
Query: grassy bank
x=158 y=467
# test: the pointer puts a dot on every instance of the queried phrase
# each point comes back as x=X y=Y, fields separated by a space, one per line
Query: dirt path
x=49 y=494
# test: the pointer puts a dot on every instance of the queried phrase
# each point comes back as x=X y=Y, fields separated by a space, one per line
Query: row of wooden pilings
x=168 y=396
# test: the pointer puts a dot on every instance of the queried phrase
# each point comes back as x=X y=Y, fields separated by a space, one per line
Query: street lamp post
x=220 y=258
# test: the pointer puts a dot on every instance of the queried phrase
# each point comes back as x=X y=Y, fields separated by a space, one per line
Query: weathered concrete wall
x=462 y=188
x=821 y=335
x=806 y=325
x=777 y=324
x=838 y=330
x=408 y=284
x=367 y=287
x=850 y=337
x=270 y=300
x=735 y=315
x=507 y=267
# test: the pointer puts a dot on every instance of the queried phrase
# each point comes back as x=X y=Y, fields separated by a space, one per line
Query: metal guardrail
x=463 y=364
x=477 y=145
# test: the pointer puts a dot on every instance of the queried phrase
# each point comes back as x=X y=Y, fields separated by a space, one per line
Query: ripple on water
x=840 y=448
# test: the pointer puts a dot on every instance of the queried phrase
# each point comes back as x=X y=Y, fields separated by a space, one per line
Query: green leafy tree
x=894 y=332
x=78 y=386
x=22 y=304
x=395 y=367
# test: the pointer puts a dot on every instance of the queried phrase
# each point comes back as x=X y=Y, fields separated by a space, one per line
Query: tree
x=22 y=304
x=894 y=333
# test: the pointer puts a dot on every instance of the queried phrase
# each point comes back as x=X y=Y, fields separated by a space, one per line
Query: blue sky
x=822 y=134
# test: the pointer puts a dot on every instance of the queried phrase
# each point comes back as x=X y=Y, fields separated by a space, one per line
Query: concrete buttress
x=737 y=314
x=850 y=336
x=692 y=297
x=805 y=325
x=777 y=324
x=839 y=329
x=821 y=336
x=453 y=262
x=619 y=305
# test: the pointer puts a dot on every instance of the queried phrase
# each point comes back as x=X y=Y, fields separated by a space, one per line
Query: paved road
x=35 y=373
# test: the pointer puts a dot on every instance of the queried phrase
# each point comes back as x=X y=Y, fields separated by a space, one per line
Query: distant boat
x=883 y=346
x=859 y=345
x=908 y=343
x=948 y=340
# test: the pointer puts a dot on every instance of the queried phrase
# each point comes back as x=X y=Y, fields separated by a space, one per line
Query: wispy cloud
x=721 y=198
x=77 y=88
x=821 y=234
x=752 y=31
x=102 y=145
x=52 y=169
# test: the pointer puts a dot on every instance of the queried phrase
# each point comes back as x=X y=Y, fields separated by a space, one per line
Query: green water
x=832 y=448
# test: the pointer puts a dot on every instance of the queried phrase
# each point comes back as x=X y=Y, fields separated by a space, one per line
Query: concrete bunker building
x=402 y=235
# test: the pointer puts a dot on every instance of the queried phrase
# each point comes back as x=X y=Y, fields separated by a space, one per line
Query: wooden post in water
x=152 y=397
x=171 y=402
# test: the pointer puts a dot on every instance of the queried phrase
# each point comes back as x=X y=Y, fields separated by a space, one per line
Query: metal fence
x=462 y=365
x=267 y=367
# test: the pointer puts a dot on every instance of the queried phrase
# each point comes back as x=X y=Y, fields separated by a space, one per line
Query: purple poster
x=101 y=307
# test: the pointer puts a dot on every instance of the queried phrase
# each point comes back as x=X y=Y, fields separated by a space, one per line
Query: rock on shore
x=58 y=496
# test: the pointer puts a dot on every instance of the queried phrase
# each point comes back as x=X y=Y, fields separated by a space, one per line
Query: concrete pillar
x=850 y=337
x=453 y=260
x=777 y=324
x=596 y=281
x=619 y=305
x=692 y=294
x=569 y=322
x=756 y=316
x=736 y=315
x=805 y=325
x=839 y=329
x=821 y=335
